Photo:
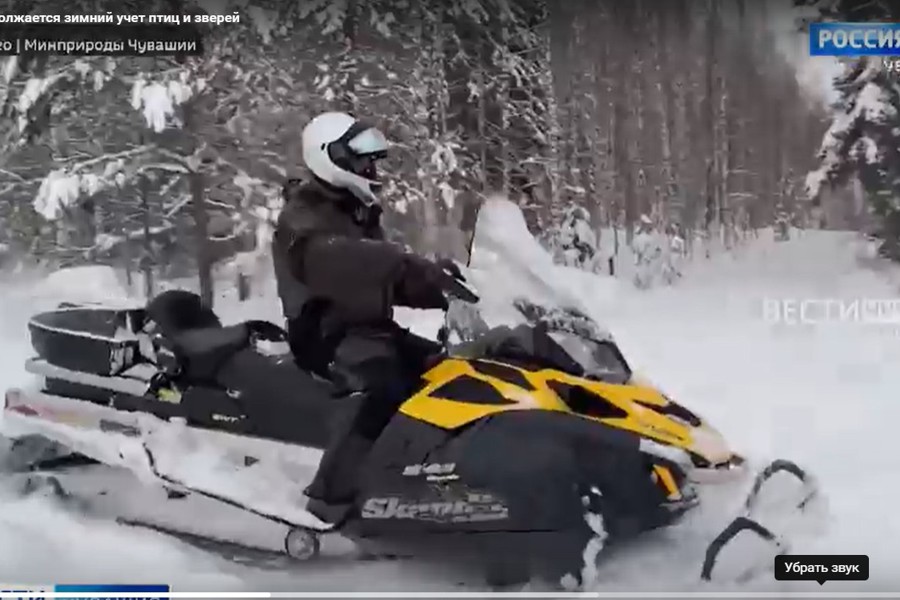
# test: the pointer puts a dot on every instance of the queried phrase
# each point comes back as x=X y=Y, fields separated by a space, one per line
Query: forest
x=682 y=117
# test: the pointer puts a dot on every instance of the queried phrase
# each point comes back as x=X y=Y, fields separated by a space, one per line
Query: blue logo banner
x=124 y=591
x=854 y=39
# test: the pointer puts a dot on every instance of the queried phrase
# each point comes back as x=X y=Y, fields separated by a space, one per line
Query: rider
x=338 y=280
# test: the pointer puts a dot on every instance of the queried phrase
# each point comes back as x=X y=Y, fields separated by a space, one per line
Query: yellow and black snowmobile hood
x=460 y=391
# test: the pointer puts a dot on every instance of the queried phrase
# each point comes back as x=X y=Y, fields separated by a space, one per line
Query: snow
x=89 y=284
x=37 y=533
x=58 y=190
x=262 y=20
x=157 y=105
x=246 y=184
x=157 y=99
x=872 y=103
x=822 y=394
x=261 y=485
x=507 y=262
x=63 y=188
x=34 y=88
x=9 y=68
x=866 y=149
x=817 y=178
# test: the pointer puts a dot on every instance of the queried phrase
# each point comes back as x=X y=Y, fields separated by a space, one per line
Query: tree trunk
x=199 y=212
x=146 y=261
x=711 y=122
x=201 y=232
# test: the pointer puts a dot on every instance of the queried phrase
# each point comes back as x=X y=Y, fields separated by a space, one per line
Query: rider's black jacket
x=334 y=268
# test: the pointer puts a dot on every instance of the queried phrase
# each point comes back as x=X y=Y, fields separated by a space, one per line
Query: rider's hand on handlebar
x=426 y=283
x=421 y=284
x=451 y=268
x=455 y=283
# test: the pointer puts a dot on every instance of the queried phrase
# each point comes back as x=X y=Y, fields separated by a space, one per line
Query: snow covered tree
x=863 y=140
x=673 y=256
x=574 y=241
x=672 y=110
x=192 y=109
x=647 y=254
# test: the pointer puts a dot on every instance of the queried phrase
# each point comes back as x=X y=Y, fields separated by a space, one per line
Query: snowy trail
x=824 y=395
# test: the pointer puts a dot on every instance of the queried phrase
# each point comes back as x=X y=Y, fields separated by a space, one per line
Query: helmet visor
x=369 y=142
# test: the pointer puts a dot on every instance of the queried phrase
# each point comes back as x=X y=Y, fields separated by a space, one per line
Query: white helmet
x=341 y=151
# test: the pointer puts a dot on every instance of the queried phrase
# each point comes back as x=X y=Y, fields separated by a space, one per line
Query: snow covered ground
x=824 y=394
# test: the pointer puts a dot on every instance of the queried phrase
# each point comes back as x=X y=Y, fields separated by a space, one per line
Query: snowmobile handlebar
x=457 y=288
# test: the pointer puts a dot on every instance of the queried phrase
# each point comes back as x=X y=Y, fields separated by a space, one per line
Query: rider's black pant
x=375 y=371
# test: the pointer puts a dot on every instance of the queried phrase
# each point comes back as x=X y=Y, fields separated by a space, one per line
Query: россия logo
x=854 y=39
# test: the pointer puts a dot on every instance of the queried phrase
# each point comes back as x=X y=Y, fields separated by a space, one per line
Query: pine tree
x=864 y=138
x=864 y=142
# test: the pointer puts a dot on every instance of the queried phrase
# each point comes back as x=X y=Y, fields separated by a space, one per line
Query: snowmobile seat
x=194 y=334
x=176 y=311
x=201 y=351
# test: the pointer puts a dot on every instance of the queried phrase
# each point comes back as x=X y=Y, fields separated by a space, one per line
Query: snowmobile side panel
x=126 y=385
x=271 y=398
x=513 y=484
x=498 y=462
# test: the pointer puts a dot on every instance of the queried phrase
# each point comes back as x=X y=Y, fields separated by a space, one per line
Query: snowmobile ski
x=762 y=522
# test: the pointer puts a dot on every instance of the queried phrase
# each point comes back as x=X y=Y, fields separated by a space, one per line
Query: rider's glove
x=421 y=284
x=450 y=267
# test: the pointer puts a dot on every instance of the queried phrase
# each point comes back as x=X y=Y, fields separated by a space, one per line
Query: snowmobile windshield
x=600 y=360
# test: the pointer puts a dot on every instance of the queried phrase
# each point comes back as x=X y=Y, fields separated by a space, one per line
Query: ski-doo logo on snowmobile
x=476 y=507
x=429 y=469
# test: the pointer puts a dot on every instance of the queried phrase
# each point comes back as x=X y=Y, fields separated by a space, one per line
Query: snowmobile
x=526 y=450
